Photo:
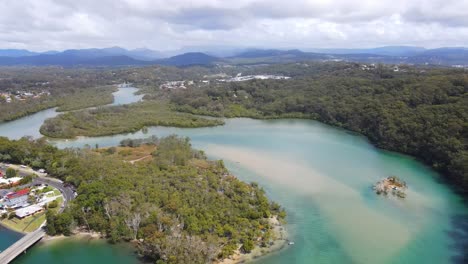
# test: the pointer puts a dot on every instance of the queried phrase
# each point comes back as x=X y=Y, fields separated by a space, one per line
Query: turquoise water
x=323 y=177
x=72 y=251
x=7 y=238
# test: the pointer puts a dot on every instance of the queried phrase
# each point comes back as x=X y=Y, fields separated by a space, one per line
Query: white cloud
x=170 y=24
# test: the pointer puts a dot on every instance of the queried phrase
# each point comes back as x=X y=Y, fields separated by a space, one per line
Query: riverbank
x=11 y=229
x=279 y=242
x=114 y=120
x=78 y=235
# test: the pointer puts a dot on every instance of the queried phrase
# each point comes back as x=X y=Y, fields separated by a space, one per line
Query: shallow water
x=78 y=251
x=323 y=177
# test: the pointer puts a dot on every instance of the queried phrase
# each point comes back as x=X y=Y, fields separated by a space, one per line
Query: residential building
x=17 y=199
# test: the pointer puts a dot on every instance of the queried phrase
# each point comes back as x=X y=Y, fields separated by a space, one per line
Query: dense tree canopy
x=421 y=112
x=182 y=207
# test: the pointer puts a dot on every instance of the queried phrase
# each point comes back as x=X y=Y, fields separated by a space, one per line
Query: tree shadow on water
x=459 y=234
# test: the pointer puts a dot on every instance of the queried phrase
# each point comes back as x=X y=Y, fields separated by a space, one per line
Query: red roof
x=18 y=193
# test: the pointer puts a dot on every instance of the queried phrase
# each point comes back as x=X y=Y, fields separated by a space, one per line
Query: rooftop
x=18 y=193
x=23 y=212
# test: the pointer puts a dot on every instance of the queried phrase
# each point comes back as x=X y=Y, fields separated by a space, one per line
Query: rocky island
x=391 y=185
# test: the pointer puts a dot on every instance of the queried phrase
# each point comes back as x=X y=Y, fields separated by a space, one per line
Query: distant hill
x=391 y=54
x=139 y=54
x=189 y=59
x=145 y=54
x=442 y=56
x=16 y=53
x=254 y=56
x=68 y=60
x=257 y=53
x=385 y=51
x=116 y=56
x=113 y=56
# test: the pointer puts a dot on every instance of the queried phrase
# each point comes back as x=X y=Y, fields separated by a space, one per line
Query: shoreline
x=79 y=235
x=11 y=229
x=279 y=243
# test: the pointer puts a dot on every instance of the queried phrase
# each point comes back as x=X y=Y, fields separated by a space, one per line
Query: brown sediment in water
x=350 y=220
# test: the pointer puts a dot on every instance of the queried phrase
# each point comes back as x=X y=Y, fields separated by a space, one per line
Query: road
x=67 y=191
x=30 y=239
x=21 y=246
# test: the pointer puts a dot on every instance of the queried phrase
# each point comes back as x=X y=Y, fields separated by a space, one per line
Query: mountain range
x=116 y=56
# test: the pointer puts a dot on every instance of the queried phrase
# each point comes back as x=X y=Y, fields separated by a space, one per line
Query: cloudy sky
x=171 y=24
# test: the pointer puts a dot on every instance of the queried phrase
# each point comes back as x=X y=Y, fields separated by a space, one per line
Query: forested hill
x=179 y=206
x=420 y=112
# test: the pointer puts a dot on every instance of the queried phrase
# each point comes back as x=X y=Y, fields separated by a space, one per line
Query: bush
x=10 y=173
x=53 y=204
x=248 y=246
x=111 y=150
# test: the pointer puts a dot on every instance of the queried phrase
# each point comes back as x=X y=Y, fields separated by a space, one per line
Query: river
x=323 y=177
x=30 y=125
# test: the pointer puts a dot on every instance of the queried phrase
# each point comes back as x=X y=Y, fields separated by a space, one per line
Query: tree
x=50 y=228
x=248 y=246
x=53 y=204
x=10 y=173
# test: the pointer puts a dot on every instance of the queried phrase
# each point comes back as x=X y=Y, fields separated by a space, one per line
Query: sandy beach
x=280 y=242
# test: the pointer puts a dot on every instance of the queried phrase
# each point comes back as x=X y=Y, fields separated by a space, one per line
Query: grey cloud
x=169 y=24
x=207 y=18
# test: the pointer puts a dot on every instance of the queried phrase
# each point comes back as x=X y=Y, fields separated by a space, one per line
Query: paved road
x=30 y=239
x=21 y=246
x=68 y=193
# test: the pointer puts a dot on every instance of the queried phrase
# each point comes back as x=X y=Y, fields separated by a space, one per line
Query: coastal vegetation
x=70 y=100
x=120 y=119
x=420 y=112
x=87 y=98
x=68 y=89
x=178 y=207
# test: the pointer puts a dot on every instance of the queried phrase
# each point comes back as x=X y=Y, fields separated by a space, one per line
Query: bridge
x=21 y=246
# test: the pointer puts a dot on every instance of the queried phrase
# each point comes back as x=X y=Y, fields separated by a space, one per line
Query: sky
x=42 y=25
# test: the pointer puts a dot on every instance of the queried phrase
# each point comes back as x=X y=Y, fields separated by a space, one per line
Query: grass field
x=31 y=223
x=27 y=224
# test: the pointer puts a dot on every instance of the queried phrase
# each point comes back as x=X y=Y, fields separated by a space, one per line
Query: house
x=17 y=199
x=1 y=174
x=10 y=181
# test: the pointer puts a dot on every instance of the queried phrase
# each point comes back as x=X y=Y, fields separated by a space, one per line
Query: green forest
x=67 y=89
x=120 y=119
x=416 y=111
x=178 y=208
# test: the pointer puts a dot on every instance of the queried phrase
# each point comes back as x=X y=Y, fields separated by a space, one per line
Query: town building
x=27 y=211
x=10 y=181
x=17 y=199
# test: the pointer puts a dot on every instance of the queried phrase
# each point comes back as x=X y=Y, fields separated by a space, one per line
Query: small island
x=392 y=185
